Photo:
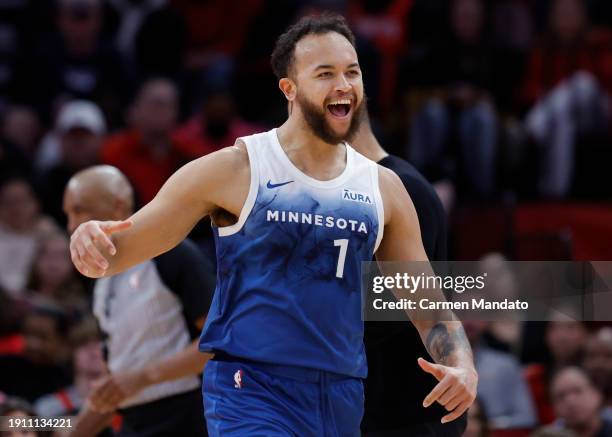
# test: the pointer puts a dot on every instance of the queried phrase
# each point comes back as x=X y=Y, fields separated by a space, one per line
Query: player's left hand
x=456 y=388
x=112 y=389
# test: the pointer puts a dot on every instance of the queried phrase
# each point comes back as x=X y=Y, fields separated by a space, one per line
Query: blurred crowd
x=491 y=100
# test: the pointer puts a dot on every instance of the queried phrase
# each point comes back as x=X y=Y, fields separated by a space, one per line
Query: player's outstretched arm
x=216 y=181
x=443 y=337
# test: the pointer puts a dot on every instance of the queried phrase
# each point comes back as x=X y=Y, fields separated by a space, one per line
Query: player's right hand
x=90 y=241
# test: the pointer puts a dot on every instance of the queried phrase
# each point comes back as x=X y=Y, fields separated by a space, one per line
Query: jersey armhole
x=225 y=231
x=380 y=210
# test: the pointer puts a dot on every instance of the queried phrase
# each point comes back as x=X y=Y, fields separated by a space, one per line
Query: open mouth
x=339 y=108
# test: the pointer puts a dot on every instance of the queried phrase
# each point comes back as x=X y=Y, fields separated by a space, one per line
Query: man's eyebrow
x=329 y=67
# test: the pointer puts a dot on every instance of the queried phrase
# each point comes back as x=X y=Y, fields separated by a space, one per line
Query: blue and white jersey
x=289 y=270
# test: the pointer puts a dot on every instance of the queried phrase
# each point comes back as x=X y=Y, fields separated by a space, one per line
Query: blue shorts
x=257 y=399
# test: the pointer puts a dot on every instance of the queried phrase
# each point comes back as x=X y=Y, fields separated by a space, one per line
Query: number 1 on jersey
x=343 y=243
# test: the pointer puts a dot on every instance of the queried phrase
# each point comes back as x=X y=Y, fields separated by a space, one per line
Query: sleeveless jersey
x=289 y=270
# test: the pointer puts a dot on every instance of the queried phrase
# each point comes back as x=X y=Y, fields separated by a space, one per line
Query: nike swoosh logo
x=271 y=185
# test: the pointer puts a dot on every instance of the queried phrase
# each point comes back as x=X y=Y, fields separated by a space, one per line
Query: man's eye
x=325 y=74
x=353 y=73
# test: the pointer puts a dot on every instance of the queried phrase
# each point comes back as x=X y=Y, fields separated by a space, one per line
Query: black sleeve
x=189 y=275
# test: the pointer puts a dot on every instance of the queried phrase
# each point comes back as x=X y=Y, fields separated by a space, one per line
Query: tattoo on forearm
x=441 y=343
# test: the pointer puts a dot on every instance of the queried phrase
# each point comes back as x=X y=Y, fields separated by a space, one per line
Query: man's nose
x=342 y=84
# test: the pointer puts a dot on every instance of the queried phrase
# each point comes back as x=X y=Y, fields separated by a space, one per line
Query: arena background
x=504 y=105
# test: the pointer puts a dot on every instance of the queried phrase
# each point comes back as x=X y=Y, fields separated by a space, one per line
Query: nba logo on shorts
x=238 y=379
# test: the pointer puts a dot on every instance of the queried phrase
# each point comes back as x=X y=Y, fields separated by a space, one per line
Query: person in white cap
x=74 y=144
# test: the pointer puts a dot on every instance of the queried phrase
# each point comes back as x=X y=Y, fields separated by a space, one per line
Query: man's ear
x=288 y=87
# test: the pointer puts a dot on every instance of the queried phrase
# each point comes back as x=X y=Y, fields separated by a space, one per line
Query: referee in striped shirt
x=150 y=316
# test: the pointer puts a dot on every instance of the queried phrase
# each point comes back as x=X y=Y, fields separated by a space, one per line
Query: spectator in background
x=383 y=26
x=212 y=45
x=71 y=115
x=43 y=366
x=504 y=335
x=88 y=366
x=569 y=74
x=75 y=144
x=597 y=363
x=132 y=15
x=21 y=127
x=17 y=407
x=577 y=403
x=215 y=127
x=53 y=276
x=13 y=162
x=159 y=44
x=147 y=152
x=21 y=225
x=501 y=387
x=77 y=62
x=14 y=19
x=565 y=341
x=464 y=70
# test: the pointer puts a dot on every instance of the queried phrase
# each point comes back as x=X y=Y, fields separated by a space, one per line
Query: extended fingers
x=452 y=397
x=85 y=252
x=435 y=369
x=110 y=227
x=457 y=412
x=91 y=254
x=437 y=391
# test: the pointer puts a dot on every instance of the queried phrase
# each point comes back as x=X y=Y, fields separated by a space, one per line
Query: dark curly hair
x=282 y=56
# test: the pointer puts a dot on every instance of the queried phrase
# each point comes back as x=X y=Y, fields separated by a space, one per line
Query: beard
x=315 y=118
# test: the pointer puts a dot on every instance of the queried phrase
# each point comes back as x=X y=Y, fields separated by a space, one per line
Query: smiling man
x=285 y=323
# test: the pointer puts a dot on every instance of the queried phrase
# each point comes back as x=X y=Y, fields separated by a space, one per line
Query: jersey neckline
x=303 y=177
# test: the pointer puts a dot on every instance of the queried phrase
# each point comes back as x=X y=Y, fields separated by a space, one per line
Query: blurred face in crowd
x=22 y=127
x=80 y=147
x=467 y=19
x=568 y=19
x=80 y=22
x=88 y=360
x=52 y=266
x=218 y=114
x=502 y=281
x=43 y=341
x=18 y=206
x=155 y=110
x=575 y=399
x=565 y=340
x=328 y=86
x=598 y=359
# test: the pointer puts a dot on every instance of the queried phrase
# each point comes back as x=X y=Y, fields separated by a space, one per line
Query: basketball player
x=296 y=210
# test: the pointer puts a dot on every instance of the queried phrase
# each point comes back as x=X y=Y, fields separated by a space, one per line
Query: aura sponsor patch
x=356 y=196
